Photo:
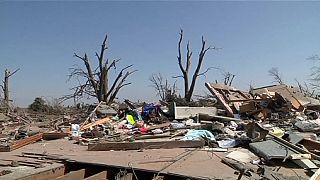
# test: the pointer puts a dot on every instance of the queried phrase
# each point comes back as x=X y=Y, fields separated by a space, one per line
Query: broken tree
x=164 y=89
x=5 y=88
x=96 y=80
x=189 y=88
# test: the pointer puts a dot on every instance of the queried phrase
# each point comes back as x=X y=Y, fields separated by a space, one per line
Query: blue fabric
x=199 y=135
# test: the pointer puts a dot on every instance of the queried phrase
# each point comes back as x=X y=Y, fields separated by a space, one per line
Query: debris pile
x=259 y=131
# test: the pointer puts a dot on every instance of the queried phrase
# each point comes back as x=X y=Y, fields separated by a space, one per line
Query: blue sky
x=40 y=38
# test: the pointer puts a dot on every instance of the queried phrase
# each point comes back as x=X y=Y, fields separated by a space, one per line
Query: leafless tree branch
x=274 y=72
x=97 y=80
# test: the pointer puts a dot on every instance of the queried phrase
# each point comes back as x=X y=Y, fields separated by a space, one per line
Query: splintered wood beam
x=106 y=146
x=20 y=143
x=73 y=175
x=90 y=115
x=98 y=122
x=99 y=176
x=220 y=99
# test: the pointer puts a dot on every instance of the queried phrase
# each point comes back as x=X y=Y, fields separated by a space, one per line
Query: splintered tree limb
x=189 y=55
x=120 y=85
x=10 y=74
x=117 y=79
x=175 y=77
x=179 y=51
x=204 y=72
x=89 y=70
x=274 y=72
x=164 y=90
x=157 y=80
x=77 y=72
x=96 y=78
x=5 y=88
x=103 y=81
x=185 y=71
x=196 y=73
x=113 y=64
x=189 y=88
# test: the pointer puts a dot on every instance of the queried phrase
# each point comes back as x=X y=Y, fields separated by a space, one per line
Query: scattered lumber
x=106 y=146
x=20 y=143
x=90 y=115
x=220 y=99
x=98 y=122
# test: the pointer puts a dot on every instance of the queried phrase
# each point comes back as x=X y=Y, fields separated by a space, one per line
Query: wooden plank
x=54 y=135
x=311 y=145
x=300 y=156
x=39 y=174
x=98 y=122
x=99 y=176
x=20 y=143
x=73 y=175
x=24 y=142
x=106 y=146
x=90 y=115
x=220 y=99
x=305 y=163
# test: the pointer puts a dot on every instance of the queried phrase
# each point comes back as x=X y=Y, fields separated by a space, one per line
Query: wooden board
x=50 y=172
x=99 y=176
x=106 y=146
x=73 y=175
x=220 y=99
x=311 y=145
x=20 y=143
x=98 y=122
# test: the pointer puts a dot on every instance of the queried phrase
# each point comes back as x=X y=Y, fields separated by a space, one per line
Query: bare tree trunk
x=188 y=89
x=5 y=88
